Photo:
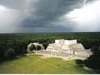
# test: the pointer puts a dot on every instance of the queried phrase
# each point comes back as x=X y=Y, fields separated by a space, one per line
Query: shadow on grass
x=11 y=59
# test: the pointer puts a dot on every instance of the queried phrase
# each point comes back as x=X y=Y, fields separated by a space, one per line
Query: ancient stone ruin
x=36 y=46
x=65 y=48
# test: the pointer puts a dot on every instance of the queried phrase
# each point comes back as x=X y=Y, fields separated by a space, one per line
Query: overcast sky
x=29 y=16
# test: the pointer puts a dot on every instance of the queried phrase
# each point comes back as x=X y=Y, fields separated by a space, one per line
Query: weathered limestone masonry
x=66 y=48
x=36 y=45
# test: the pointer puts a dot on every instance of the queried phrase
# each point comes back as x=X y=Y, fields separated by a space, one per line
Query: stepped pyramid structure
x=66 y=45
x=66 y=48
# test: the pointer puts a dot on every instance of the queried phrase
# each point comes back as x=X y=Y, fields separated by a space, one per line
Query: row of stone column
x=53 y=53
x=82 y=54
x=63 y=54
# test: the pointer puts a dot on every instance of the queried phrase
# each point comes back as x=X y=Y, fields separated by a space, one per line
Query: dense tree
x=19 y=42
x=94 y=60
x=38 y=47
x=32 y=47
x=10 y=53
x=79 y=62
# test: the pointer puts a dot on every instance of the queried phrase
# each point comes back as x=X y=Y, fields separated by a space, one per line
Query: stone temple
x=67 y=49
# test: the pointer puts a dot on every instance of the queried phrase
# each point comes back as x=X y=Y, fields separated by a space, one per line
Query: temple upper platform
x=65 y=42
x=62 y=44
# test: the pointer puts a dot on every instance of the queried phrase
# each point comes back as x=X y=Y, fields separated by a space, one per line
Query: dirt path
x=89 y=69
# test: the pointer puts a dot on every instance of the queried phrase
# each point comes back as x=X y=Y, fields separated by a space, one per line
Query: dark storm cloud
x=13 y=4
x=90 y=1
x=10 y=14
x=49 y=15
x=46 y=12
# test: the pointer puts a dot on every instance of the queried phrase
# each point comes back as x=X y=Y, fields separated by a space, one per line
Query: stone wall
x=66 y=54
x=67 y=47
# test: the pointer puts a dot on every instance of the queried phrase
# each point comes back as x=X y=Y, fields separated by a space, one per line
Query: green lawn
x=34 y=64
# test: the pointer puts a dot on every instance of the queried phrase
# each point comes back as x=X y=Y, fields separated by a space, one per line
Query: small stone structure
x=36 y=45
x=66 y=48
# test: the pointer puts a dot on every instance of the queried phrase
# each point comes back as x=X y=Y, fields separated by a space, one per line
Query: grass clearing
x=34 y=64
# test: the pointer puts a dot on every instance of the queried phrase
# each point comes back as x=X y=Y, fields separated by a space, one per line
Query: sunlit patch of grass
x=34 y=64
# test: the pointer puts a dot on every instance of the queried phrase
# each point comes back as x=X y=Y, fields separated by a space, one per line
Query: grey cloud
x=45 y=12
x=40 y=15
x=90 y=1
x=10 y=14
x=87 y=18
x=13 y=4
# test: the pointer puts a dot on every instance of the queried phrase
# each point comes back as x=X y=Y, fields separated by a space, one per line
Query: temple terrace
x=67 y=49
